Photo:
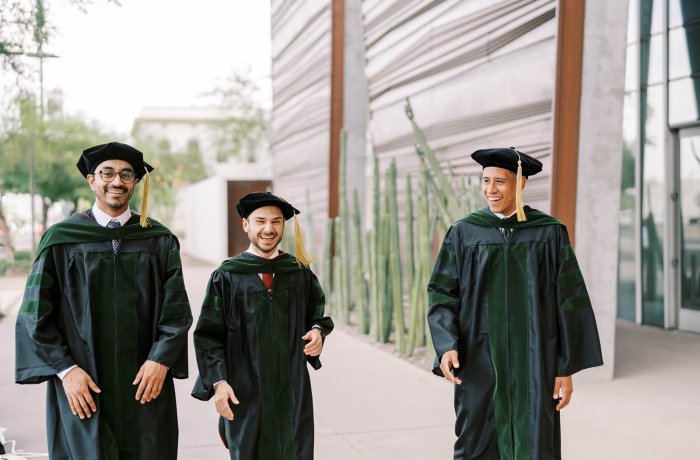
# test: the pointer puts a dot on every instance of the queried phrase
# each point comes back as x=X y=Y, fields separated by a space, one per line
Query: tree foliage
x=55 y=144
x=171 y=170
x=243 y=132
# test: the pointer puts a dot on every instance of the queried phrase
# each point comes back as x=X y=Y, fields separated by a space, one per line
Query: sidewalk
x=370 y=404
x=11 y=289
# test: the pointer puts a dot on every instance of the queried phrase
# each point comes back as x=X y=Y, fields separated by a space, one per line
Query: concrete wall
x=355 y=103
x=600 y=164
x=206 y=228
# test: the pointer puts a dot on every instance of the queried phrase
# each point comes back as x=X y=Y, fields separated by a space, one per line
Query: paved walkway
x=370 y=404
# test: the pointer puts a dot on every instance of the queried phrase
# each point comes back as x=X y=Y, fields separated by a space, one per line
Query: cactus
x=396 y=283
x=443 y=187
x=342 y=243
x=358 y=272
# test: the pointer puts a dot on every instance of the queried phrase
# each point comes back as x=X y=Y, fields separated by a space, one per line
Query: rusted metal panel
x=567 y=108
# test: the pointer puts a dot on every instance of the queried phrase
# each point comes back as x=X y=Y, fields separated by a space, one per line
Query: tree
x=56 y=144
x=172 y=169
x=246 y=130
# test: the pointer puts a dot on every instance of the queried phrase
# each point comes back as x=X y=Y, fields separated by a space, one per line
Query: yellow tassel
x=304 y=258
x=144 y=201
x=519 y=193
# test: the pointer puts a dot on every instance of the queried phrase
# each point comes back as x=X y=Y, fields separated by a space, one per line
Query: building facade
x=659 y=275
x=604 y=93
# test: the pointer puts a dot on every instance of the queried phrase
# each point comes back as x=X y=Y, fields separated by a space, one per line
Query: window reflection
x=683 y=101
x=627 y=272
x=653 y=206
x=650 y=17
x=690 y=221
x=678 y=61
x=680 y=12
x=651 y=60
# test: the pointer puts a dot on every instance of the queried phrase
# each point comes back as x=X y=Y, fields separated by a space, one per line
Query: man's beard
x=267 y=251
x=118 y=204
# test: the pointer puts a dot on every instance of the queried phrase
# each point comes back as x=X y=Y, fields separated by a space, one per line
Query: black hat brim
x=94 y=156
x=507 y=158
x=255 y=200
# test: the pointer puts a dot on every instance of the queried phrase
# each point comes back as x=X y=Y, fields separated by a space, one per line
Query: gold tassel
x=304 y=258
x=144 y=201
x=519 y=193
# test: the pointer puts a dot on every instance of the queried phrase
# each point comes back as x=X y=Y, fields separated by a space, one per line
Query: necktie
x=115 y=243
x=506 y=232
x=267 y=280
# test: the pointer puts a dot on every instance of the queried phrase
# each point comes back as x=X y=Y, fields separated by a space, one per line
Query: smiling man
x=510 y=319
x=104 y=321
x=262 y=320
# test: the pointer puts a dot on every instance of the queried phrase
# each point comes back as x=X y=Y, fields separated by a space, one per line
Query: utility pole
x=39 y=38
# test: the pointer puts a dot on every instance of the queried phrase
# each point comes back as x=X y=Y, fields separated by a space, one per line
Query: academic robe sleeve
x=579 y=345
x=40 y=350
x=210 y=339
x=314 y=316
x=170 y=347
x=443 y=300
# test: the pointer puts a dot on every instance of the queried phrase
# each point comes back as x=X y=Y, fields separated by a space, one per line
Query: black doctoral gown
x=251 y=337
x=516 y=309
x=107 y=313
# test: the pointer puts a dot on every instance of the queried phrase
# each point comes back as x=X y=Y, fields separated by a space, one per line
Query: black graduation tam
x=507 y=158
x=255 y=200
x=92 y=157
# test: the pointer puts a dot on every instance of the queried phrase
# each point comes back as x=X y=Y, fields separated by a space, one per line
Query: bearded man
x=262 y=320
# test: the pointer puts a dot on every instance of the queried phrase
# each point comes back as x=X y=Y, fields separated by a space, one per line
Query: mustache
x=124 y=189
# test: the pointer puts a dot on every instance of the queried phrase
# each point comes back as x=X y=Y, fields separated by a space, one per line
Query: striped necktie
x=506 y=232
x=115 y=243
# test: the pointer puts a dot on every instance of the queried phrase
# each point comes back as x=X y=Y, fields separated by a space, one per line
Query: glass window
x=683 y=101
x=690 y=221
x=682 y=11
x=633 y=22
x=653 y=206
x=651 y=60
x=683 y=51
x=650 y=17
x=627 y=271
x=632 y=67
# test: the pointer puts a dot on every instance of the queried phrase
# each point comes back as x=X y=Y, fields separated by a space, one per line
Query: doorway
x=689 y=229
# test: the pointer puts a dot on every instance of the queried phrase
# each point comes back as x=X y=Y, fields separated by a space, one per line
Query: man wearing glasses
x=104 y=321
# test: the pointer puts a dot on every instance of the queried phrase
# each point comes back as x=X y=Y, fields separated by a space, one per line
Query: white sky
x=114 y=60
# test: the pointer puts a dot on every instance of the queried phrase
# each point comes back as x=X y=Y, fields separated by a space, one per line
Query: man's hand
x=563 y=387
x=315 y=345
x=77 y=385
x=223 y=393
x=448 y=362
x=150 y=381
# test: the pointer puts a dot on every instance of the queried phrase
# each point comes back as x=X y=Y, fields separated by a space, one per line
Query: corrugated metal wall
x=478 y=73
x=301 y=51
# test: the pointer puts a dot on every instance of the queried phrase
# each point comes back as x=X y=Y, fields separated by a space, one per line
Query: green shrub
x=22 y=256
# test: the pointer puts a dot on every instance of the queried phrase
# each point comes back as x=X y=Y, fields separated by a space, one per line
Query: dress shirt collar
x=251 y=250
x=103 y=218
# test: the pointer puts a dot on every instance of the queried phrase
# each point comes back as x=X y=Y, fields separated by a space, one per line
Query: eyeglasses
x=127 y=176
